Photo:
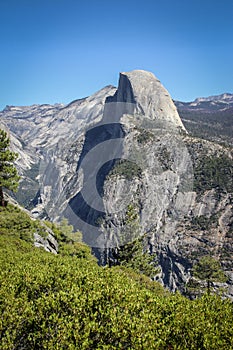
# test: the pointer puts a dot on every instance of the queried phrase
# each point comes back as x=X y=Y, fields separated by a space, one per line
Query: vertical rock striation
x=120 y=165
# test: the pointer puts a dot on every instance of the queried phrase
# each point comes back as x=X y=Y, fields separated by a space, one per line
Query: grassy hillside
x=67 y=301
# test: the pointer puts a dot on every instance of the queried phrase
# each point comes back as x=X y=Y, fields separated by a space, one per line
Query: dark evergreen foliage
x=9 y=178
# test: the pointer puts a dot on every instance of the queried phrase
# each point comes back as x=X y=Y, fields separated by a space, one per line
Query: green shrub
x=214 y=172
x=203 y=222
x=126 y=169
x=16 y=222
x=56 y=302
x=67 y=301
x=144 y=136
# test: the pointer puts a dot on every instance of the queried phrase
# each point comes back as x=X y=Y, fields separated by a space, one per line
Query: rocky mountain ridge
x=209 y=118
x=217 y=102
x=121 y=165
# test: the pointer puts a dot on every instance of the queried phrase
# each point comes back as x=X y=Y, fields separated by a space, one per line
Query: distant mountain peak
x=225 y=97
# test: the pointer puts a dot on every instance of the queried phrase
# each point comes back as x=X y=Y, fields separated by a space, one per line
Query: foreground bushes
x=63 y=302
x=17 y=223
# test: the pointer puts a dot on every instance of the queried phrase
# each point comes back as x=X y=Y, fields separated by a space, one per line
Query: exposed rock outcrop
x=152 y=100
x=48 y=241
x=120 y=164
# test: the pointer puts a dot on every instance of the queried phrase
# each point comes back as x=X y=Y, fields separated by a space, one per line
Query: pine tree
x=68 y=231
x=9 y=178
x=209 y=269
x=133 y=255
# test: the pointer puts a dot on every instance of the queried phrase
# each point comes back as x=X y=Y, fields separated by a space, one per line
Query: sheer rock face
x=74 y=148
x=151 y=98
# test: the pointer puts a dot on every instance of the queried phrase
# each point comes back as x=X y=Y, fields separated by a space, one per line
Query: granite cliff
x=121 y=165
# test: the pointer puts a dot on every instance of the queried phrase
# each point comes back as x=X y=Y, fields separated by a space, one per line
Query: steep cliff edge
x=120 y=165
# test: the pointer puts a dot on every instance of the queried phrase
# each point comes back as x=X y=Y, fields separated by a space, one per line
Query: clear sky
x=61 y=50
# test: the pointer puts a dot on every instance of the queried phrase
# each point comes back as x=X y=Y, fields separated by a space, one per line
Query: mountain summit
x=151 y=99
x=120 y=166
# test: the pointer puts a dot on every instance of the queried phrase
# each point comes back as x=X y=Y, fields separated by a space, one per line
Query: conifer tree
x=209 y=269
x=134 y=256
x=9 y=178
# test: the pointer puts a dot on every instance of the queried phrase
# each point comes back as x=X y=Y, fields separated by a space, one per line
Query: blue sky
x=61 y=50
